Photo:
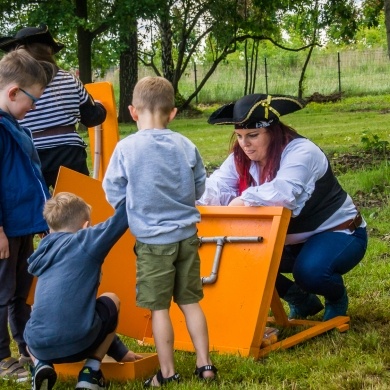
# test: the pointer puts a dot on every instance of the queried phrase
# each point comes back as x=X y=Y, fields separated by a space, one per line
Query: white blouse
x=302 y=164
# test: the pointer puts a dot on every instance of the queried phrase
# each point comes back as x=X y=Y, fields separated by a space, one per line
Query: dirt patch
x=344 y=162
x=319 y=98
x=378 y=196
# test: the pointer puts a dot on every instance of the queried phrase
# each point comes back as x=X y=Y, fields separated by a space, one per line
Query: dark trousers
x=318 y=264
x=69 y=156
x=15 y=283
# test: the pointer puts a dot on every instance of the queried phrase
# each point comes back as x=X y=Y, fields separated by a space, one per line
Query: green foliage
x=371 y=10
x=373 y=143
x=368 y=36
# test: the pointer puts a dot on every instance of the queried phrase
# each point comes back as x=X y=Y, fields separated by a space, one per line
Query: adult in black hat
x=270 y=164
x=63 y=105
x=29 y=35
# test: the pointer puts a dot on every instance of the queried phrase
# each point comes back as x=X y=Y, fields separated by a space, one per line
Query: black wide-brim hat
x=28 y=35
x=256 y=110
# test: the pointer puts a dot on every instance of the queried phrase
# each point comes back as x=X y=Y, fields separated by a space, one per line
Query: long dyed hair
x=280 y=136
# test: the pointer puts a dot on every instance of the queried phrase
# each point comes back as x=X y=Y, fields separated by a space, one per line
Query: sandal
x=11 y=369
x=200 y=370
x=161 y=380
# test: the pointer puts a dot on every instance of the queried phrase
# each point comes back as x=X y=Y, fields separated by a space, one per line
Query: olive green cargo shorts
x=166 y=271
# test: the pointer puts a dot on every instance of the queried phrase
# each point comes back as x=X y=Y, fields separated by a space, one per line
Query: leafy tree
x=372 y=10
x=96 y=35
x=80 y=24
x=183 y=29
x=171 y=34
x=319 y=22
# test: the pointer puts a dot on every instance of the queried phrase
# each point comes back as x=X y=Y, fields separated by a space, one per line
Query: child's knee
x=113 y=297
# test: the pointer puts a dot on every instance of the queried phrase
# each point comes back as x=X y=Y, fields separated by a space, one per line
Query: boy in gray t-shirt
x=160 y=174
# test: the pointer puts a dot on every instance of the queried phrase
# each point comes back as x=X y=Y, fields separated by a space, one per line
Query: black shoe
x=301 y=303
x=91 y=380
x=336 y=308
x=200 y=370
x=161 y=380
x=43 y=376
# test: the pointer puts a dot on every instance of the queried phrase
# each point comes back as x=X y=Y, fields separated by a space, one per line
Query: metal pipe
x=98 y=151
x=220 y=241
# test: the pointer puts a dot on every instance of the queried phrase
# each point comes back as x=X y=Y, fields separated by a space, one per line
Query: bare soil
x=378 y=197
x=348 y=162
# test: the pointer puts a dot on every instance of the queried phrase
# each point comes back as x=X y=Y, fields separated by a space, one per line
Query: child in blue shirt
x=23 y=193
x=68 y=324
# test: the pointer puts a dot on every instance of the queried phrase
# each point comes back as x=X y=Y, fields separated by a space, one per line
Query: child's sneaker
x=43 y=376
x=25 y=360
x=11 y=369
x=91 y=380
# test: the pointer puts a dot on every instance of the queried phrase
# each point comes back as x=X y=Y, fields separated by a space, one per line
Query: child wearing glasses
x=64 y=104
x=23 y=193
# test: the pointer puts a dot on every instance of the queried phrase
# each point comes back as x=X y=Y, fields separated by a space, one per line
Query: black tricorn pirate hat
x=256 y=110
x=28 y=35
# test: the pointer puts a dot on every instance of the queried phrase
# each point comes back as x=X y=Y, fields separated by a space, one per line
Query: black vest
x=327 y=198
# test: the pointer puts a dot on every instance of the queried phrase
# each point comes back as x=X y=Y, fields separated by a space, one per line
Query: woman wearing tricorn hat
x=272 y=165
x=64 y=103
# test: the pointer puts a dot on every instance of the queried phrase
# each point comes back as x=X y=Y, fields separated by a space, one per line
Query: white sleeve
x=302 y=164
x=221 y=186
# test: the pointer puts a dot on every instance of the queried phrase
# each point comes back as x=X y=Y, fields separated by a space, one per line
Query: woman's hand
x=237 y=202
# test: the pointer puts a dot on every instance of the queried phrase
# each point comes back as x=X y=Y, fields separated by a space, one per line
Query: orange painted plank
x=104 y=92
x=112 y=370
x=315 y=329
x=237 y=305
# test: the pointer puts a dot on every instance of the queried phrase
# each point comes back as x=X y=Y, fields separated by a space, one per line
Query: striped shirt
x=59 y=105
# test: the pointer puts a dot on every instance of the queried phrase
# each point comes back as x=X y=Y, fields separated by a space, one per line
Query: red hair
x=280 y=135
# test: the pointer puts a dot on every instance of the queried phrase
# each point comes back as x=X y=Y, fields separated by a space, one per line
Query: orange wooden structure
x=240 y=254
x=237 y=304
x=115 y=371
x=108 y=132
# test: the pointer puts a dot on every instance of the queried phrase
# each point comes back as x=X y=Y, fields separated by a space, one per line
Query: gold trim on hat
x=267 y=106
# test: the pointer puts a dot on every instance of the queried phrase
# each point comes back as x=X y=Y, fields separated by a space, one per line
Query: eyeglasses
x=33 y=98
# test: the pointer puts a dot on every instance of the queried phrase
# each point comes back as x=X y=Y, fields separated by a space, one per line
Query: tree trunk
x=387 y=23
x=313 y=40
x=167 y=64
x=256 y=64
x=128 y=72
x=246 y=62
x=84 y=44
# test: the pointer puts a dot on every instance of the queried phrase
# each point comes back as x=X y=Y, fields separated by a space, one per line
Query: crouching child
x=67 y=323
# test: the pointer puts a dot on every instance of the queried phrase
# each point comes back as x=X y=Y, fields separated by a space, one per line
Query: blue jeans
x=318 y=264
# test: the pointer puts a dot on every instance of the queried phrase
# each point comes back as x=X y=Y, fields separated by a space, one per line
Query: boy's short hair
x=66 y=211
x=19 y=67
x=155 y=94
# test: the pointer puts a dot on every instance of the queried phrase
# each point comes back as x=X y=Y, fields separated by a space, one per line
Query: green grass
x=358 y=358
